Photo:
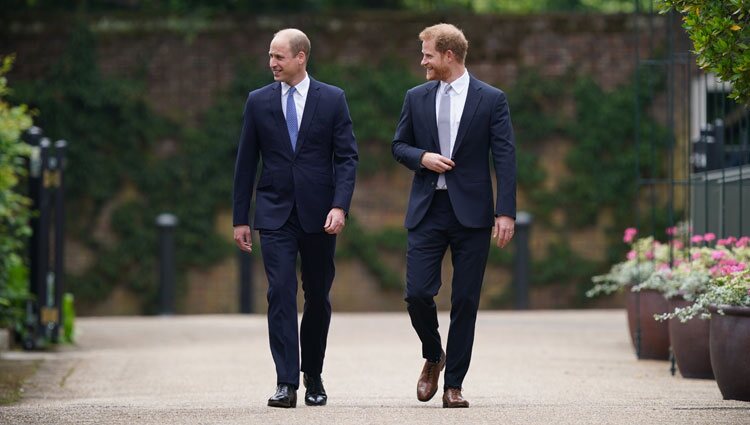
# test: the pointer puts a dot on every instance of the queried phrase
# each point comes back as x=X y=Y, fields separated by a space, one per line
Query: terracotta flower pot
x=730 y=351
x=690 y=343
x=654 y=336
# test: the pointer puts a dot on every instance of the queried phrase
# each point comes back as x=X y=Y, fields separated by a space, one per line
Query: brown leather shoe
x=427 y=384
x=452 y=398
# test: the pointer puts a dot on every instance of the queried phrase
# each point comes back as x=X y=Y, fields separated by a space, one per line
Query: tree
x=720 y=31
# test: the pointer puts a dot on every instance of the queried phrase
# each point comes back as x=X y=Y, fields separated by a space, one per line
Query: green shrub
x=720 y=31
x=14 y=207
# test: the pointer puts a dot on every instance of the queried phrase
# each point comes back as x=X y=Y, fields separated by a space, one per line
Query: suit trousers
x=316 y=250
x=427 y=244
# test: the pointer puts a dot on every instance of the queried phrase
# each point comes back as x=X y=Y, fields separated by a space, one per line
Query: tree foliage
x=720 y=31
x=14 y=207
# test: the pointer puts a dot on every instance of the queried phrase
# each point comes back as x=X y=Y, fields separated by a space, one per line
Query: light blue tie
x=291 y=118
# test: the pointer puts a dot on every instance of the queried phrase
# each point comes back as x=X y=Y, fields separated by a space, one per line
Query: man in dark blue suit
x=448 y=128
x=302 y=131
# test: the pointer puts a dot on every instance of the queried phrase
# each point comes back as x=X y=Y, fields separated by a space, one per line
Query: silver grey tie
x=444 y=129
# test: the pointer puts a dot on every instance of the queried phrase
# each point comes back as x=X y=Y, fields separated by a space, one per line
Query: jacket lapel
x=473 y=97
x=429 y=111
x=278 y=115
x=311 y=105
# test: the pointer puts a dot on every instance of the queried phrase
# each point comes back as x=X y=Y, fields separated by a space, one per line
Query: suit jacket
x=317 y=176
x=485 y=128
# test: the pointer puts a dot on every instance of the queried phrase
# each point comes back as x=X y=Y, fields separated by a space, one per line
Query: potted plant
x=650 y=338
x=687 y=277
x=726 y=302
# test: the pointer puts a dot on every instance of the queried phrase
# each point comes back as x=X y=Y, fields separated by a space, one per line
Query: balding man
x=302 y=131
x=449 y=127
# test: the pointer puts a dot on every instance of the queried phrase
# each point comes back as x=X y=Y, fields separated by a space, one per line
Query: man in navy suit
x=448 y=128
x=302 y=131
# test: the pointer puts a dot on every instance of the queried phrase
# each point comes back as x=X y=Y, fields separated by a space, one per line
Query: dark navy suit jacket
x=485 y=128
x=317 y=176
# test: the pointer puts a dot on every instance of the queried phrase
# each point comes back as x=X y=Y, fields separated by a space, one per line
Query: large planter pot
x=730 y=351
x=654 y=336
x=690 y=343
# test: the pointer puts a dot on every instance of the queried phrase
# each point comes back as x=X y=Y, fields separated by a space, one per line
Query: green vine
x=120 y=149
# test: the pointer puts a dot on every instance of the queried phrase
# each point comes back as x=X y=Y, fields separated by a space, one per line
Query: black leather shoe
x=286 y=396
x=315 y=394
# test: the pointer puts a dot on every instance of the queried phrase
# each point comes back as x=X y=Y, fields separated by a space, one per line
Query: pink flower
x=696 y=256
x=678 y=244
x=708 y=237
x=650 y=255
x=629 y=235
x=671 y=231
x=696 y=239
x=718 y=255
x=631 y=255
x=742 y=242
x=662 y=266
x=734 y=268
x=722 y=242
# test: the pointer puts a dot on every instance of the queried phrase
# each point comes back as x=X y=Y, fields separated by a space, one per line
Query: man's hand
x=503 y=230
x=243 y=237
x=335 y=221
x=437 y=163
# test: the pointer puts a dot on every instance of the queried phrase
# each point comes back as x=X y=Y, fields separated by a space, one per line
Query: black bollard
x=522 y=260
x=59 y=262
x=246 y=282
x=166 y=223
x=33 y=136
x=43 y=276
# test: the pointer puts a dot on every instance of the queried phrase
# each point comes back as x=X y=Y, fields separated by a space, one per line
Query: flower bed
x=703 y=277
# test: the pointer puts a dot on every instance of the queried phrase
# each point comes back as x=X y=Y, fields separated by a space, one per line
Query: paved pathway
x=570 y=367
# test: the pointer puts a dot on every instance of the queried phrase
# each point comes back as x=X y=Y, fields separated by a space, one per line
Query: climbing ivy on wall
x=127 y=164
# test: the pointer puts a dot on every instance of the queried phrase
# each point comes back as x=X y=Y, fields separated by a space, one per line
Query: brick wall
x=186 y=68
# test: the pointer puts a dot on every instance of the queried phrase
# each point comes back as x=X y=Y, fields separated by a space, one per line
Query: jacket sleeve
x=245 y=168
x=503 y=149
x=403 y=147
x=345 y=156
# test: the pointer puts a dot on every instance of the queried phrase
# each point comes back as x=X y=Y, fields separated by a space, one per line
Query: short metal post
x=33 y=137
x=166 y=223
x=246 y=282
x=59 y=264
x=522 y=260
x=42 y=274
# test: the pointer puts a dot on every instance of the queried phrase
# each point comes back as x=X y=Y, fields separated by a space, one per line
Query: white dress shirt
x=300 y=97
x=459 y=89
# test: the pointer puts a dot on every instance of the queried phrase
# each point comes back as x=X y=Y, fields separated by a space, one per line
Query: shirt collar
x=301 y=88
x=459 y=84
